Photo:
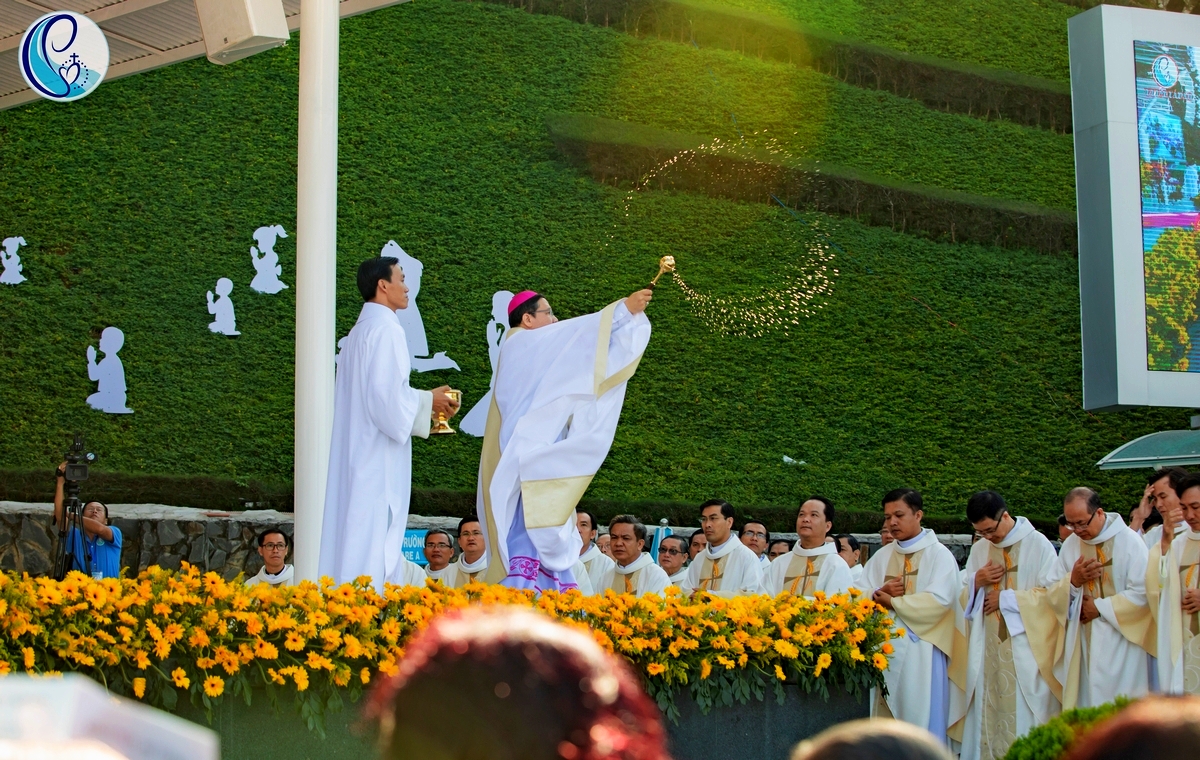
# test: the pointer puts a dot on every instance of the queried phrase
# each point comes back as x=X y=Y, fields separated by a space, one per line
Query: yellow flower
x=28 y=652
x=887 y=648
x=879 y=661
x=139 y=687
x=162 y=649
x=142 y=660
x=787 y=649
x=265 y=650
x=656 y=668
x=214 y=686
x=365 y=675
x=295 y=642
x=824 y=660
x=780 y=674
x=301 y=678
x=180 y=677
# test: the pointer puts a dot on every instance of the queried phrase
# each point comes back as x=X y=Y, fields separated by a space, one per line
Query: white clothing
x=1154 y=535
x=375 y=415
x=640 y=577
x=558 y=397
x=1109 y=664
x=586 y=587
x=918 y=690
x=596 y=563
x=856 y=574
x=803 y=572
x=409 y=573
x=728 y=570
x=996 y=711
x=286 y=577
x=1167 y=580
x=443 y=576
x=679 y=578
x=460 y=572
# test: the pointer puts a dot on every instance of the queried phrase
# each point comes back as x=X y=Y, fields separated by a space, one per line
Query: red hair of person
x=1156 y=728
x=511 y=684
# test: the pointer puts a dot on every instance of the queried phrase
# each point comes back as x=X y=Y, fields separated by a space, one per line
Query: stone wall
x=224 y=542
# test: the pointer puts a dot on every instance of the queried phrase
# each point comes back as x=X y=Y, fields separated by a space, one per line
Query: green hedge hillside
x=946 y=367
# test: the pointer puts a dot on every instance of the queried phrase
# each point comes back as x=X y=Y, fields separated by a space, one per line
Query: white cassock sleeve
x=395 y=407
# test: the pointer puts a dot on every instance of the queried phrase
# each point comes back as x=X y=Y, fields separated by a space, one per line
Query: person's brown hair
x=1158 y=728
x=520 y=687
x=873 y=739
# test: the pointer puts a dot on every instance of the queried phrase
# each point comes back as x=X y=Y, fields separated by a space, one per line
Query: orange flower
x=139 y=687
x=180 y=678
x=656 y=668
x=214 y=686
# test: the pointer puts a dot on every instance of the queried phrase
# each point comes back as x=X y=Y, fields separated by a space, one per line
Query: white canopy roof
x=142 y=34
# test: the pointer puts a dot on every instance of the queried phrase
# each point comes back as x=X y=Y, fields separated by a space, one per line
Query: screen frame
x=1108 y=193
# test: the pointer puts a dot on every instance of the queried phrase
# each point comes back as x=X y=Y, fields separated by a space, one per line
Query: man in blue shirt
x=101 y=541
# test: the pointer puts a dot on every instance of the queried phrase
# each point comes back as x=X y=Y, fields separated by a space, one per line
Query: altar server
x=558 y=395
x=725 y=567
x=376 y=413
x=595 y=562
x=634 y=572
x=1010 y=687
x=812 y=565
x=917 y=578
x=1173 y=593
x=1108 y=625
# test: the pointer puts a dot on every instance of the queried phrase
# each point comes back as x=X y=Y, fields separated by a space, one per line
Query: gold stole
x=1135 y=622
x=1189 y=578
x=712 y=570
x=802 y=573
x=625 y=583
x=998 y=710
x=924 y=615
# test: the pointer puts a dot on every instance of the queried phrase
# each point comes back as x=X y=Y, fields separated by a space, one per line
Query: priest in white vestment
x=471 y=563
x=672 y=558
x=272 y=547
x=376 y=413
x=1173 y=593
x=851 y=552
x=635 y=571
x=595 y=562
x=1164 y=498
x=725 y=567
x=558 y=395
x=813 y=564
x=439 y=550
x=917 y=578
x=1009 y=682
x=1108 y=625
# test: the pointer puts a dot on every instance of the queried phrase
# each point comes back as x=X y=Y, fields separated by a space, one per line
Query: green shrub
x=1052 y=740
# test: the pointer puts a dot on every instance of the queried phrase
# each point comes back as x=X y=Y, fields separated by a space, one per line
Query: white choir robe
x=460 y=572
x=582 y=580
x=1107 y=657
x=596 y=563
x=376 y=413
x=409 y=573
x=1006 y=693
x=679 y=579
x=856 y=574
x=728 y=570
x=1178 y=633
x=441 y=576
x=558 y=397
x=803 y=572
x=286 y=577
x=917 y=673
x=640 y=577
x=1153 y=536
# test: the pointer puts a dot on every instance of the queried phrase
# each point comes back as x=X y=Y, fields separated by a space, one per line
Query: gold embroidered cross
x=803 y=581
x=714 y=575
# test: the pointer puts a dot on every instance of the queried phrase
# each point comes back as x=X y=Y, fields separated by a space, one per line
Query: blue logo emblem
x=63 y=56
x=1165 y=70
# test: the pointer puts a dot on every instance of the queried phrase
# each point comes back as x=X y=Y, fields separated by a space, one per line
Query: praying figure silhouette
x=410 y=317
x=222 y=308
x=497 y=329
x=267 y=266
x=11 y=261
x=109 y=373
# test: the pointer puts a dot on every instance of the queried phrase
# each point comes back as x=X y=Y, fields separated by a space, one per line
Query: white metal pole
x=316 y=257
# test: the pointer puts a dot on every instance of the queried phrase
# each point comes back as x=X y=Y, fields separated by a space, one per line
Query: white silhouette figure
x=109 y=373
x=497 y=331
x=11 y=261
x=267 y=266
x=337 y=358
x=410 y=318
x=222 y=308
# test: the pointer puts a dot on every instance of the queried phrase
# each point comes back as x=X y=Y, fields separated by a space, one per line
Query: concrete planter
x=762 y=730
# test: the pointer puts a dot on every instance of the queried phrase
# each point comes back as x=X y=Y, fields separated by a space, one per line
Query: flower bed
x=165 y=634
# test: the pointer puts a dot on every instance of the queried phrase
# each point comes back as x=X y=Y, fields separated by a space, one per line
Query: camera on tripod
x=71 y=523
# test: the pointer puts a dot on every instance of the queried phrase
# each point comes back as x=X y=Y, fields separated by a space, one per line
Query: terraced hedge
x=946 y=367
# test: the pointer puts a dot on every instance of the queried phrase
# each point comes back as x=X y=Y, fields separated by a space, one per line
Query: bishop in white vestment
x=1009 y=682
x=1173 y=594
x=725 y=566
x=376 y=414
x=558 y=395
x=917 y=578
x=813 y=564
x=1108 y=626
